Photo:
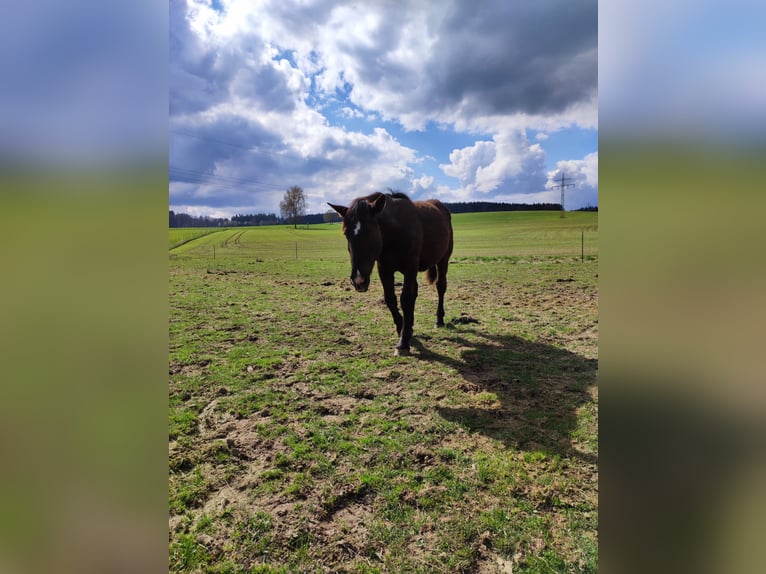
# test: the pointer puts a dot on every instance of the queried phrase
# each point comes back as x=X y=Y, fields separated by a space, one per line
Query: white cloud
x=253 y=124
x=205 y=211
x=465 y=163
x=432 y=61
x=422 y=183
x=508 y=162
x=584 y=174
x=584 y=171
x=351 y=113
x=255 y=84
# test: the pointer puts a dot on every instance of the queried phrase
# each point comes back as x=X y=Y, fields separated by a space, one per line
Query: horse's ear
x=339 y=208
x=378 y=205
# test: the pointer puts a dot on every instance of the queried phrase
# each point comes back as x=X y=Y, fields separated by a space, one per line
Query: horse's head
x=365 y=242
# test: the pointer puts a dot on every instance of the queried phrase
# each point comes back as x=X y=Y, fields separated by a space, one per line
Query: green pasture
x=477 y=235
x=182 y=235
x=298 y=441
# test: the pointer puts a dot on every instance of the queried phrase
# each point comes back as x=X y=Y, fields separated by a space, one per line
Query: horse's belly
x=431 y=255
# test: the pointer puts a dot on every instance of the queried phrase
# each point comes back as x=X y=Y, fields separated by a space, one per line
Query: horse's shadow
x=540 y=389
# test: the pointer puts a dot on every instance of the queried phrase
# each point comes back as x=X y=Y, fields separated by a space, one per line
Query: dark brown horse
x=404 y=236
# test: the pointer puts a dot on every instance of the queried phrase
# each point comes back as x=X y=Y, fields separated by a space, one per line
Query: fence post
x=296 y=251
x=582 y=246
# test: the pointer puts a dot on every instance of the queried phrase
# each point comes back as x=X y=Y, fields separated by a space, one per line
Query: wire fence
x=302 y=244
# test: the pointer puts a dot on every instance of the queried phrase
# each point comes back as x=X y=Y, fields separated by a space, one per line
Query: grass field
x=179 y=236
x=298 y=442
x=487 y=235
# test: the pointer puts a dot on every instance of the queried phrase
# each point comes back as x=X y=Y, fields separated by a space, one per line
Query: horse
x=399 y=235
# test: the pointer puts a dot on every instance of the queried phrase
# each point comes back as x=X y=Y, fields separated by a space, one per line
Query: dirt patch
x=344 y=517
x=193 y=368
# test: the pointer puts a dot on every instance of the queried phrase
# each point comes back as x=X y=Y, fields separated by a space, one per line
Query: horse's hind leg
x=441 y=288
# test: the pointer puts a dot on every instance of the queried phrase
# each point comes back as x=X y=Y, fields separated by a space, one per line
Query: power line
x=562 y=185
x=252 y=148
x=207 y=139
x=193 y=176
x=223 y=182
x=220 y=186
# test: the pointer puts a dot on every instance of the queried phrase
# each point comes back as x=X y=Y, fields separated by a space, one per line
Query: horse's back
x=435 y=218
x=419 y=229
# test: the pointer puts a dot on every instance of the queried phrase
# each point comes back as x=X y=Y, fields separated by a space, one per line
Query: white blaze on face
x=358 y=228
x=358 y=279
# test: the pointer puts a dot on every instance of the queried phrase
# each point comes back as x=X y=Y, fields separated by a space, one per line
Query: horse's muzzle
x=360 y=282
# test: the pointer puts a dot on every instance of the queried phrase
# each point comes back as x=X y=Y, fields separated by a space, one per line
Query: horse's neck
x=397 y=227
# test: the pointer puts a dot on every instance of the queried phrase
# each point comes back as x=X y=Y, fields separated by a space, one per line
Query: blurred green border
x=84 y=354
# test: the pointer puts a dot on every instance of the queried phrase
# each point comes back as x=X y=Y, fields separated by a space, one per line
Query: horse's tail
x=432 y=275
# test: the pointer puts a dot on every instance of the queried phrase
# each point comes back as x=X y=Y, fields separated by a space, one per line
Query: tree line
x=293 y=210
x=248 y=220
x=482 y=206
x=186 y=220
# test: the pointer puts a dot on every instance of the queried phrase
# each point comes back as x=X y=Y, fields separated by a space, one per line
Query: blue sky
x=463 y=101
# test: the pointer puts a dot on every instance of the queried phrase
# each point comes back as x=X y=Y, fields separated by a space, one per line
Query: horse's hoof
x=403 y=352
x=439 y=324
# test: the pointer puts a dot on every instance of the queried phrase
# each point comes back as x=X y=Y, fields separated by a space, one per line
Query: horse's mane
x=373 y=196
x=362 y=203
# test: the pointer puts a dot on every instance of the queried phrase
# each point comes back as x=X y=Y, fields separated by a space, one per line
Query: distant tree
x=330 y=216
x=293 y=205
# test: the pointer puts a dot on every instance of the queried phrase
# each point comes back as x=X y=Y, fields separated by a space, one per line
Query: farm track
x=194 y=238
x=233 y=238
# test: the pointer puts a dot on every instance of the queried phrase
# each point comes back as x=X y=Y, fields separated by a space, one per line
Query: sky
x=462 y=101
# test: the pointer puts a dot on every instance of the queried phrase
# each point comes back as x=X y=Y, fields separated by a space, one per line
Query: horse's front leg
x=409 y=295
x=389 y=295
